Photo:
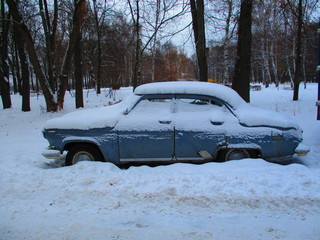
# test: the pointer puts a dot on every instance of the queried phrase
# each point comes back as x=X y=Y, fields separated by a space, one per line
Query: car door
x=199 y=129
x=146 y=133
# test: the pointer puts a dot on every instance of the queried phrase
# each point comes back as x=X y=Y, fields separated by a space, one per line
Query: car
x=174 y=122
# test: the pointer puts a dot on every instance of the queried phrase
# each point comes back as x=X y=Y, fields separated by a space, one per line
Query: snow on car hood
x=251 y=116
x=93 y=118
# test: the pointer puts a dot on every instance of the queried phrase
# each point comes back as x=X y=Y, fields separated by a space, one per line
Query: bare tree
x=197 y=10
x=135 y=14
x=221 y=18
x=241 y=80
x=4 y=69
x=78 y=70
x=75 y=34
x=298 y=62
x=100 y=10
x=226 y=44
x=147 y=27
x=53 y=103
x=25 y=86
x=33 y=57
x=50 y=30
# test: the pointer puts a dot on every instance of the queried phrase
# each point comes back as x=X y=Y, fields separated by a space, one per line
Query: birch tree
x=148 y=26
x=221 y=17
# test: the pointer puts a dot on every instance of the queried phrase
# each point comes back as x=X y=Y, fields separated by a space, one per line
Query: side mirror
x=126 y=111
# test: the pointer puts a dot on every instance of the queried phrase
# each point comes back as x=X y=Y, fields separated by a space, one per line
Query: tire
x=83 y=152
x=236 y=154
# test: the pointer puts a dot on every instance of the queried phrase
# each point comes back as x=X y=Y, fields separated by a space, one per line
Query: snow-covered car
x=174 y=122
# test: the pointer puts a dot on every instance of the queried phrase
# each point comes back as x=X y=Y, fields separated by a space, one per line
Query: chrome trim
x=50 y=153
x=190 y=159
x=123 y=160
x=146 y=159
x=302 y=150
x=206 y=156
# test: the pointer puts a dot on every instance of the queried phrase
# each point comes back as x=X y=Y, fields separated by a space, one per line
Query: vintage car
x=173 y=122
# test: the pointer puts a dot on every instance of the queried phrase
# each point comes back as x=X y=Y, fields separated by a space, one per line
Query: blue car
x=174 y=122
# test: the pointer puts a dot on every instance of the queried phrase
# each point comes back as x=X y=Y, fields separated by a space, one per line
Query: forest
x=50 y=47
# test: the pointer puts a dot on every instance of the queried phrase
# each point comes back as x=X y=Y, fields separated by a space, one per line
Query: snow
x=246 y=113
x=153 y=113
x=86 y=119
x=254 y=116
x=101 y=117
x=248 y=199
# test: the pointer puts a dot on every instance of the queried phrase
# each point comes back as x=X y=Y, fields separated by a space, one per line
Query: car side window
x=196 y=104
x=153 y=105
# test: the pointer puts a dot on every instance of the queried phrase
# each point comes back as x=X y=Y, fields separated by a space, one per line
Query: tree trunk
x=76 y=31
x=265 y=61
x=23 y=29
x=50 y=29
x=98 y=29
x=197 y=11
x=274 y=65
x=16 y=68
x=78 y=73
x=13 y=64
x=298 y=71
x=241 y=80
x=24 y=71
x=226 y=45
x=4 y=70
x=137 y=63
x=99 y=64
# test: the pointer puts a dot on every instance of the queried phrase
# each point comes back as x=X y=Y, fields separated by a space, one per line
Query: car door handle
x=216 y=123
x=165 y=122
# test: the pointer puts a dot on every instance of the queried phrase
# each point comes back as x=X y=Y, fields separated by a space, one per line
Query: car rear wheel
x=235 y=154
x=83 y=152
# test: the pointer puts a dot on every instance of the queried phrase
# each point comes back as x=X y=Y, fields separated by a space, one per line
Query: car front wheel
x=83 y=152
x=236 y=154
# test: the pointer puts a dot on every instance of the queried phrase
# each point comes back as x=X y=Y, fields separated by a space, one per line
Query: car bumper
x=302 y=150
x=50 y=153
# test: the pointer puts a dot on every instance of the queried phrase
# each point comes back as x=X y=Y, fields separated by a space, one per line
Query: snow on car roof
x=199 y=88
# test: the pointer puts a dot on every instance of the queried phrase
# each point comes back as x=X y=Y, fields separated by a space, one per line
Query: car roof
x=199 y=88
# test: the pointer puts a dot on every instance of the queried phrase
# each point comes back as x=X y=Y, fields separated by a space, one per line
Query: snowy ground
x=248 y=199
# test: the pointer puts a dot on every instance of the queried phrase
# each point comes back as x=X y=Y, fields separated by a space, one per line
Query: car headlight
x=276 y=136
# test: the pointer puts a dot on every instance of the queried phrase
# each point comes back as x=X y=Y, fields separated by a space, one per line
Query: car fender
x=107 y=148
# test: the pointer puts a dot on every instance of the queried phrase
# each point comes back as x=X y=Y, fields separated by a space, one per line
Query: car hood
x=252 y=116
x=101 y=117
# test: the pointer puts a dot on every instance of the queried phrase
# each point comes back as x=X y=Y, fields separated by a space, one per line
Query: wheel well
x=68 y=146
x=253 y=153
